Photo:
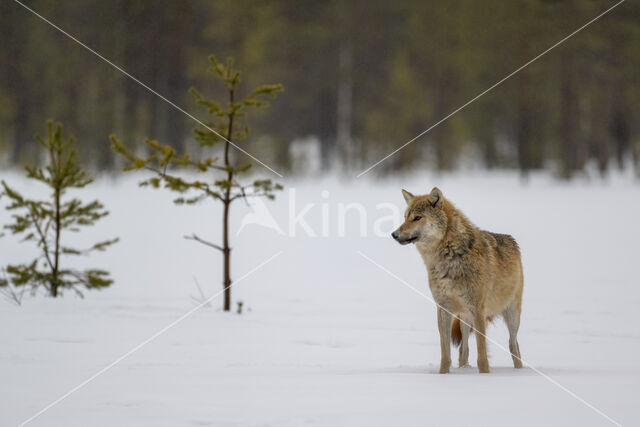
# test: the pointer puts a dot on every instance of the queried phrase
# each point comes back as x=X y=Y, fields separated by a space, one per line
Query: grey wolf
x=474 y=275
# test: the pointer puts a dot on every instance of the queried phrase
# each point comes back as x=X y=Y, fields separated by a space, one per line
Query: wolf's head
x=424 y=220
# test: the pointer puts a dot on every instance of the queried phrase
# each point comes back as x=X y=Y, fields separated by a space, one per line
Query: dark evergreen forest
x=361 y=78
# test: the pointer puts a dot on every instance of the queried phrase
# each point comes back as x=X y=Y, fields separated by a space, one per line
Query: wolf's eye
x=417 y=218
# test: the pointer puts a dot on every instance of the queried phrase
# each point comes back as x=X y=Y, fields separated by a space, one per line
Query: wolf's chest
x=450 y=294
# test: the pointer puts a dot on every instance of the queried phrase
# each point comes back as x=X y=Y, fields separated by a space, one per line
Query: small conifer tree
x=226 y=120
x=44 y=221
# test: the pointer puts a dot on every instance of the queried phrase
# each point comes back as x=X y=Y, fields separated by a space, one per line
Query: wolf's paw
x=483 y=367
x=444 y=367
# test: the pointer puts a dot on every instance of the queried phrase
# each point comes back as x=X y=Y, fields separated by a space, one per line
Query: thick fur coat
x=474 y=275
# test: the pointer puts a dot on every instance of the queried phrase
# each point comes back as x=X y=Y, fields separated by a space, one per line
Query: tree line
x=362 y=78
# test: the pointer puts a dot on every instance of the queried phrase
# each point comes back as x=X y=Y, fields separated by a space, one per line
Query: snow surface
x=327 y=338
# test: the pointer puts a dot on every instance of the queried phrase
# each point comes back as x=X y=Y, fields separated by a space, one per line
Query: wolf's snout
x=395 y=235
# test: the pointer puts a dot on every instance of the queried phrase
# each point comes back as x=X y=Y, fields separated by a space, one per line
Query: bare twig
x=77 y=291
x=8 y=291
x=202 y=299
x=204 y=242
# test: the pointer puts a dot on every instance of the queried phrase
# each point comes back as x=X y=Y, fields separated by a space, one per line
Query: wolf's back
x=504 y=245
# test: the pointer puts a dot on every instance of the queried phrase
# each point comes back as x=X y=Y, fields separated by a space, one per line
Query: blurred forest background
x=361 y=78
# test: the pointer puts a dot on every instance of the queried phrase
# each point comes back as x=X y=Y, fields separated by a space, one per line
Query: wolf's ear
x=435 y=197
x=407 y=196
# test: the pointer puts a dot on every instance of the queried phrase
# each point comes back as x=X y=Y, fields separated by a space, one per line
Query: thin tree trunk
x=56 y=163
x=441 y=137
x=227 y=255
x=226 y=250
x=178 y=43
x=569 y=154
x=344 y=107
x=523 y=119
x=523 y=134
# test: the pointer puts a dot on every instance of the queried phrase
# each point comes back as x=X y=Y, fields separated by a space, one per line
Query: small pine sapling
x=226 y=121
x=44 y=221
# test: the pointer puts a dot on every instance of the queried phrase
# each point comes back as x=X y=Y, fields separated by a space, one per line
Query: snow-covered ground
x=327 y=337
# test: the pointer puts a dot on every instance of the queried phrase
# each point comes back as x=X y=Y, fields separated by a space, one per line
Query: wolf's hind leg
x=465 y=329
x=444 y=327
x=511 y=317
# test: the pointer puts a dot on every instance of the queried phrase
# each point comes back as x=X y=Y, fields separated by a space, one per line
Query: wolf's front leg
x=480 y=325
x=444 y=327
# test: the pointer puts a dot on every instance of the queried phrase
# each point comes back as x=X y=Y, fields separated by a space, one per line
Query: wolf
x=474 y=275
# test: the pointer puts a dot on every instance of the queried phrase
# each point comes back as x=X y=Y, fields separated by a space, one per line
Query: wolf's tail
x=456 y=332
